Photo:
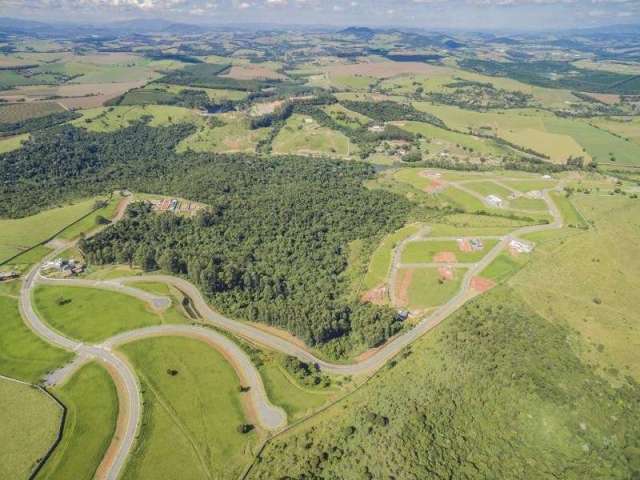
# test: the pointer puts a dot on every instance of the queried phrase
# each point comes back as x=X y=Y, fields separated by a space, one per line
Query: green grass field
x=17 y=112
x=234 y=136
x=601 y=145
x=480 y=145
x=92 y=315
x=190 y=419
x=296 y=400
x=89 y=222
x=584 y=280
x=461 y=199
x=115 y=118
x=30 y=422
x=525 y=186
x=524 y=203
x=468 y=225
x=13 y=143
x=503 y=267
x=486 y=188
x=92 y=411
x=381 y=259
x=626 y=127
x=17 y=235
x=426 y=291
x=570 y=216
x=302 y=135
x=424 y=251
x=345 y=117
x=23 y=355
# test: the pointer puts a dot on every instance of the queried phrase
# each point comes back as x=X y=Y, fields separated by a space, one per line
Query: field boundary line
x=4 y=262
x=63 y=418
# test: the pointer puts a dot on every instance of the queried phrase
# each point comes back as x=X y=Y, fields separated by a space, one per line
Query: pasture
x=601 y=145
x=486 y=188
x=503 y=267
x=303 y=136
x=380 y=263
x=426 y=251
x=345 y=117
x=585 y=280
x=422 y=288
x=92 y=411
x=30 y=422
x=234 y=136
x=93 y=315
x=18 y=112
x=23 y=355
x=115 y=118
x=17 y=235
x=9 y=144
x=189 y=430
x=296 y=400
x=88 y=223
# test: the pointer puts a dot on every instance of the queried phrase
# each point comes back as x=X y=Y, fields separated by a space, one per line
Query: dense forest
x=271 y=247
x=495 y=392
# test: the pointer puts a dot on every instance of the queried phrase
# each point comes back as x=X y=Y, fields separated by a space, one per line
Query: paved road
x=382 y=355
x=271 y=417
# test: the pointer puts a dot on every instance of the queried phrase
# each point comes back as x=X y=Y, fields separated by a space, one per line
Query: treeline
x=388 y=111
x=273 y=244
x=65 y=162
x=470 y=402
x=37 y=123
x=271 y=247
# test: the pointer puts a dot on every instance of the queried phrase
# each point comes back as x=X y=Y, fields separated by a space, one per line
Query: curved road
x=269 y=416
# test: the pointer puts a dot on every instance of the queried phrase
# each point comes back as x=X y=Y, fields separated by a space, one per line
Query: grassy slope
x=425 y=291
x=93 y=315
x=92 y=409
x=89 y=223
x=597 y=142
x=300 y=136
x=190 y=419
x=423 y=252
x=381 y=258
x=22 y=354
x=20 y=234
x=492 y=393
x=12 y=143
x=234 y=136
x=114 y=118
x=30 y=421
x=587 y=280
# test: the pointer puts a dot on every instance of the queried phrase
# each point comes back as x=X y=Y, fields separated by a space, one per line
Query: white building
x=520 y=246
x=494 y=201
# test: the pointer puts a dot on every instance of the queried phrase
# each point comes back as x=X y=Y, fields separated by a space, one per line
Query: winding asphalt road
x=270 y=417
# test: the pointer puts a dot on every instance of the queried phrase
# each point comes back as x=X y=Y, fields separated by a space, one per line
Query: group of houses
x=67 y=268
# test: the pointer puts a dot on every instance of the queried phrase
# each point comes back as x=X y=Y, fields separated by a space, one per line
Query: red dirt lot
x=446 y=273
x=445 y=257
x=481 y=284
x=377 y=296
x=402 y=295
x=464 y=245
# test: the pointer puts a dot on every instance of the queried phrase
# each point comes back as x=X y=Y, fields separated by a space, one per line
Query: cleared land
x=17 y=235
x=427 y=251
x=17 y=112
x=302 y=135
x=190 y=420
x=234 y=136
x=92 y=410
x=421 y=288
x=13 y=143
x=30 y=421
x=115 y=118
x=23 y=355
x=381 y=258
x=93 y=315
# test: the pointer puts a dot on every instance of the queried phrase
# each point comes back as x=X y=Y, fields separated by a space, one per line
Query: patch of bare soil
x=402 y=295
x=445 y=257
x=481 y=284
x=377 y=296
x=464 y=245
x=446 y=273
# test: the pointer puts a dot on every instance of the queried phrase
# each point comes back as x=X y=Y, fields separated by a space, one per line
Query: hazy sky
x=468 y=14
